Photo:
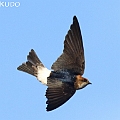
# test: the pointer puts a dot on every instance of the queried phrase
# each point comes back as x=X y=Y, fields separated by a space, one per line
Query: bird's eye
x=84 y=80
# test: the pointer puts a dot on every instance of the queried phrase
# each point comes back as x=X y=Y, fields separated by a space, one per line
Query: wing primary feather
x=73 y=52
x=58 y=93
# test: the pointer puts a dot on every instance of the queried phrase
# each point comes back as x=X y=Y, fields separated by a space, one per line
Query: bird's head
x=80 y=82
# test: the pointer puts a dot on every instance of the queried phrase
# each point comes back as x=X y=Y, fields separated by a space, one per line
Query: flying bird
x=66 y=74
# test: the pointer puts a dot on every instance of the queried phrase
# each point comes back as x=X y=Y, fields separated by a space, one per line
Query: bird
x=65 y=76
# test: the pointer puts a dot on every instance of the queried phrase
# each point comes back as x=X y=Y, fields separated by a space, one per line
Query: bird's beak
x=89 y=83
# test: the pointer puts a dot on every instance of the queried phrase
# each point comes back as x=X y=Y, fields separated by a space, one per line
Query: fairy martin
x=65 y=76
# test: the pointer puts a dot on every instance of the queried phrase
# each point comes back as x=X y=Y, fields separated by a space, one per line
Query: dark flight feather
x=31 y=64
x=73 y=53
x=58 y=93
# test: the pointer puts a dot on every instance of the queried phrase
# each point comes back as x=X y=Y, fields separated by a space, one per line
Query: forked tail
x=35 y=67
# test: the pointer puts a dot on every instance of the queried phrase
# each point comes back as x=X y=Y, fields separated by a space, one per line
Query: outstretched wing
x=73 y=53
x=58 y=93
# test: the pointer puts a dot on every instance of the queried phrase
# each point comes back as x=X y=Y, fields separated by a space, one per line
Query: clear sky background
x=42 y=25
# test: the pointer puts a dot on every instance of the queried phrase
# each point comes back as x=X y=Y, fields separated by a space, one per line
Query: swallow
x=65 y=76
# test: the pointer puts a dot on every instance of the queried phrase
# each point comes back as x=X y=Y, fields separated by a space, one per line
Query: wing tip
x=75 y=18
x=48 y=109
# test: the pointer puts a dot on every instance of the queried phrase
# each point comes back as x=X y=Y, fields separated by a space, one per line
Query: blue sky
x=42 y=25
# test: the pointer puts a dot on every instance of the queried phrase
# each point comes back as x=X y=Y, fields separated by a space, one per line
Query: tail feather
x=33 y=58
x=31 y=65
x=35 y=67
x=26 y=67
